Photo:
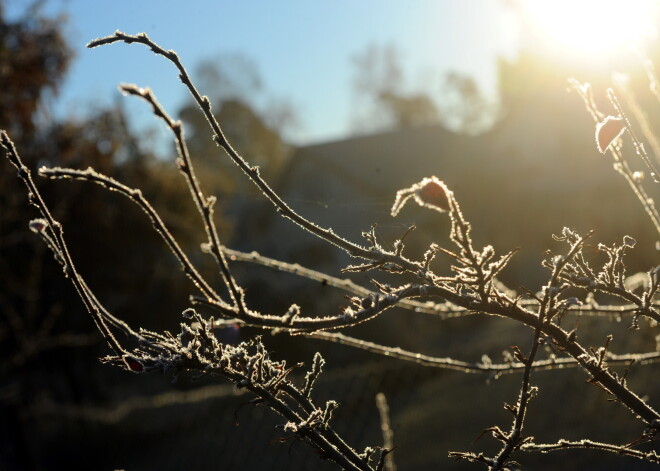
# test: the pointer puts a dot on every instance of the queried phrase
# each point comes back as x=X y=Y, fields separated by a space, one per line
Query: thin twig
x=620 y=165
x=138 y=198
x=253 y=172
x=388 y=433
x=57 y=235
x=611 y=359
x=623 y=450
x=204 y=205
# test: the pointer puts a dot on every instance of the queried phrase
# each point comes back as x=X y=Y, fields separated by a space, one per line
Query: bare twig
x=623 y=450
x=54 y=230
x=388 y=434
x=496 y=369
x=620 y=165
x=204 y=204
x=138 y=198
x=253 y=172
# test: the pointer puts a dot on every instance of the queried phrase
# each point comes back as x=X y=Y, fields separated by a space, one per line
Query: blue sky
x=302 y=48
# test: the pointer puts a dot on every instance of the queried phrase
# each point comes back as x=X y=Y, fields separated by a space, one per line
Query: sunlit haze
x=592 y=30
x=303 y=52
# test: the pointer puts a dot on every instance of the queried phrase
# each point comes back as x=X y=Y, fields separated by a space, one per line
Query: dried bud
x=638 y=176
x=629 y=241
x=434 y=193
x=607 y=131
x=430 y=192
x=134 y=365
x=38 y=225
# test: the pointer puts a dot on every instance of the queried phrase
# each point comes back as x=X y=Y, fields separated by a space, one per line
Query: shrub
x=577 y=275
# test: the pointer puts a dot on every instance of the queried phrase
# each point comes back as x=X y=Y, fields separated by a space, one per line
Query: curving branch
x=204 y=205
x=138 y=198
x=253 y=172
x=53 y=232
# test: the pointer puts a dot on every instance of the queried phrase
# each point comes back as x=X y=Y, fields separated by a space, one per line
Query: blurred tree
x=464 y=107
x=381 y=99
x=39 y=311
x=33 y=59
x=384 y=102
x=235 y=89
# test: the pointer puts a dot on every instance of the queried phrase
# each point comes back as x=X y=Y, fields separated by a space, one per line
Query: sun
x=590 y=29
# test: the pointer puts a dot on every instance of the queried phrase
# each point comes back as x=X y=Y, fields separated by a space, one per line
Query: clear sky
x=302 y=48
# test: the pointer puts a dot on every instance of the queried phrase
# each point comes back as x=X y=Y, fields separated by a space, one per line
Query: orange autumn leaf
x=607 y=131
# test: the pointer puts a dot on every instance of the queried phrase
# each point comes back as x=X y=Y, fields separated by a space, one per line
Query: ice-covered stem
x=352 y=315
x=473 y=268
x=138 y=198
x=349 y=317
x=204 y=204
x=387 y=457
x=313 y=374
x=56 y=234
x=197 y=351
x=443 y=310
x=299 y=395
x=623 y=450
x=482 y=367
x=506 y=307
x=551 y=291
x=639 y=147
x=253 y=172
x=640 y=116
x=620 y=165
x=611 y=278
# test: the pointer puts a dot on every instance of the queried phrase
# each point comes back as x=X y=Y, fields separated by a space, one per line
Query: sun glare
x=592 y=28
